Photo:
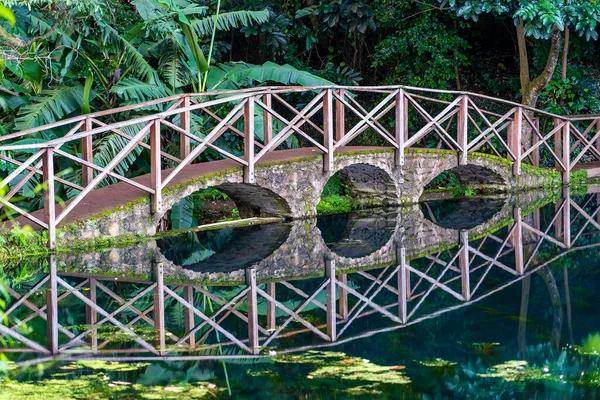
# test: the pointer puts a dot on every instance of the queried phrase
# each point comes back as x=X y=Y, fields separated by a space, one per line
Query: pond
x=483 y=297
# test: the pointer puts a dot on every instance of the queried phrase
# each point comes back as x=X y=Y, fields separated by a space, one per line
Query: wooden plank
x=188 y=315
x=463 y=264
x=566 y=153
x=515 y=140
x=271 y=309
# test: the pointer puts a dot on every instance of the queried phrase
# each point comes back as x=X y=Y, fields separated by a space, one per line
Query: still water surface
x=477 y=298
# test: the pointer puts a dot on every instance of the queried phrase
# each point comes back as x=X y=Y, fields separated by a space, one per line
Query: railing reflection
x=104 y=316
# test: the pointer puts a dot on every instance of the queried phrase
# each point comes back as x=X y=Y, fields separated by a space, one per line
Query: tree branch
x=15 y=41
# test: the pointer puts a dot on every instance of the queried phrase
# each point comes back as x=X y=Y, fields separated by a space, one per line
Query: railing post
x=155 y=167
x=515 y=138
x=557 y=144
x=402 y=285
x=87 y=173
x=185 y=124
x=331 y=300
x=343 y=296
x=598 y=130
x=91 y=315
x=463 y=264
x=517 y=240
x=566 y=153
x=49 y=197
x=401 y=126
x=463 y=129
x=340 y=116
x=271 y=308
x=252 y=311
x=249 y=140
x=188 y=316
x=328 y=130
x=52 y=306
x=159 y=306
x=534 y=141
x=267 y=119
x=566 y=217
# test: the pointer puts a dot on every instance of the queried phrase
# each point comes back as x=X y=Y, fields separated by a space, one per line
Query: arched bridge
x=272 y=149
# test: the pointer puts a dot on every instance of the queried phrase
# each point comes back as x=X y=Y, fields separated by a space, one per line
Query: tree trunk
x=531 y=88
x=565 y=54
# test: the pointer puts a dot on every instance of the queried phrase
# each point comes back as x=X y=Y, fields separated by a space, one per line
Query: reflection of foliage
x=100 y=380
x=346 y=374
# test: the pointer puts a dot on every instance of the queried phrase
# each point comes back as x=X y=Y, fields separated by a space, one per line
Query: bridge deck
x=120 y=194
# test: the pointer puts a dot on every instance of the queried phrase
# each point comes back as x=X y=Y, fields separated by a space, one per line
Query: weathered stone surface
x=293 y=188
x=293 y=249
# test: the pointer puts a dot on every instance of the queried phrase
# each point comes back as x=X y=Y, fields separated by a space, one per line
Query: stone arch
x=463 y=214
x=255 y=201
x=473 y=175
x=360 y=234
x=369 y=185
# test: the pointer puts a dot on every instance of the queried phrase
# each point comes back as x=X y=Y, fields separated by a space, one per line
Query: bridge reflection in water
x=308 y=284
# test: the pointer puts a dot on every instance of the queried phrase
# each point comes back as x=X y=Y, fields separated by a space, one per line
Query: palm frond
x=132 y=90
x=134 y=61
x=230 y=20
x=50 y=106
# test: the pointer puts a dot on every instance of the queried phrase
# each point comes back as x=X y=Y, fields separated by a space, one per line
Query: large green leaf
x=229 y=20
x=50 y=106
x=268 y=72
x=133 y=90
x=192 y=41
x=182 y=216
x=7 y=14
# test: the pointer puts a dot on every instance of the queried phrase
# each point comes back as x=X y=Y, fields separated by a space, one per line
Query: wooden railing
x=327 y=307
x=61 y=157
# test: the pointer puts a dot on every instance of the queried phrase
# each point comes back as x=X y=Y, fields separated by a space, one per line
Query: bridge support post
x=328 y=130
x=535 y=155
x=49 y=197
x=343 y=296
x=155 y=168
x=340 y=116
x=401 y=128
x=463 y=129
x=566 y=153
x=253 y=343
x=249 y=140
x=331 y=300
x=463 y=264
x=514 y=140
x=87 y=173
x=185 y=124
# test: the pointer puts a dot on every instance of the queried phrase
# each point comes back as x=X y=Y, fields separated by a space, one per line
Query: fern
x=229 y=20
x=50 y=106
